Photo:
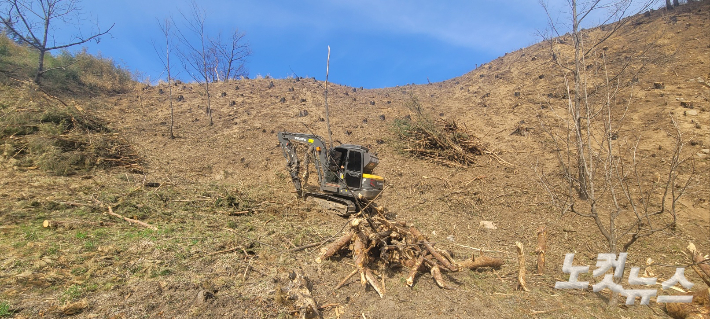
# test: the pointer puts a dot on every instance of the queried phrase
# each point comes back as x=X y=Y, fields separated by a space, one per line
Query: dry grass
x=38 y=132
x=191 y=187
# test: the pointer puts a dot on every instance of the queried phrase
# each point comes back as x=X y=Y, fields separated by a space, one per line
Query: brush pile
x=62 y=141
x=440 y=140
x=377 y=243
x=444 y=142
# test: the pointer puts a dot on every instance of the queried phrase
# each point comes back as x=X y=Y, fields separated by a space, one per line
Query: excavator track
x=342 y=206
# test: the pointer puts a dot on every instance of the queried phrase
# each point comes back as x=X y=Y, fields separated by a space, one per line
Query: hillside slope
x=208 y=173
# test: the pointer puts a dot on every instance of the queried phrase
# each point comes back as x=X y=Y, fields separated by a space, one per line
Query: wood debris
x=71 y=309
x=300 y=292
x=378 y=243
x=700 y=263
x=131 y=220
x=699 y=308
x=522 y=285
x=541 y=248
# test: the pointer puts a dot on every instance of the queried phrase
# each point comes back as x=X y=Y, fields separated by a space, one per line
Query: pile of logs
x=377 y=243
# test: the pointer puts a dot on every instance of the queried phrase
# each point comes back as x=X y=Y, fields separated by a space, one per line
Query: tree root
x=376 y=242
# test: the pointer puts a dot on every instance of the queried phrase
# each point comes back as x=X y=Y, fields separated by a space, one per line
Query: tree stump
x=540 y=250
x=522 y=285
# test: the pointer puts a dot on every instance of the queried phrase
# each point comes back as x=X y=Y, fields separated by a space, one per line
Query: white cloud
x=480 y=25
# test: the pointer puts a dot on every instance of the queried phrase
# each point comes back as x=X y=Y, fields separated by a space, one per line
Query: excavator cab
x=356 y=171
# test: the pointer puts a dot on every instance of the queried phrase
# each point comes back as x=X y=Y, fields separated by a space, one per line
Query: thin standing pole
x=327 y=118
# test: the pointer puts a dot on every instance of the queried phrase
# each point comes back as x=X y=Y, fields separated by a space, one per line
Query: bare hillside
x=227 y=215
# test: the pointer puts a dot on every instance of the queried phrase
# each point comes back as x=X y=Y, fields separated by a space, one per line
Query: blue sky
x=373 y=43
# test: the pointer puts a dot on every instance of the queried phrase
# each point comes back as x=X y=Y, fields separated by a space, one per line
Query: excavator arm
x=317 y=151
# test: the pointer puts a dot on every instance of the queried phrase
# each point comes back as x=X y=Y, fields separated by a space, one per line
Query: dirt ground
x=207 y=259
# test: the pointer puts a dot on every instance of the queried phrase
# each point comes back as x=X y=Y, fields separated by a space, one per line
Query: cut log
x=372 y=280
x=51 y=224
x=436 y=274
x=71 y=224
x=541 y=248
x=481 y=261
x=299 y=248
x=334 y=247
x=522 y=285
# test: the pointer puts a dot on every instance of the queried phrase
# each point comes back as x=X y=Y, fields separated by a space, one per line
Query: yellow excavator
x=345 y=172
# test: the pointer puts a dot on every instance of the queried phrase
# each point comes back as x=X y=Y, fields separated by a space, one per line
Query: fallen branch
x=478 y=249
x=191 y=200
x=699 y=265
x=540 y=312
x=415 y=270
x=299 y=248
x=350 y=275
x=130 y=220
x=480 y=262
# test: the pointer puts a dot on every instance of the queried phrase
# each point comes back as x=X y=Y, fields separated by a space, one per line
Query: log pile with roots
x=377 y=243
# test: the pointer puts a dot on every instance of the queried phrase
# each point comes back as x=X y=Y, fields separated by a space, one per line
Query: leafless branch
x=37 y=24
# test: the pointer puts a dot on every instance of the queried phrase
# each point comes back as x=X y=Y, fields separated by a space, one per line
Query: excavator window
x=337 y=159
x=355 y=161
x=353 y=174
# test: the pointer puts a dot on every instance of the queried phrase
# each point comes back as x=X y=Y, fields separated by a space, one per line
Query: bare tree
x=165 y=29
x=618 y=9
x=210 y=59
x=194 y=55
x=605 y=176
x=31 y=22
x=229 y=56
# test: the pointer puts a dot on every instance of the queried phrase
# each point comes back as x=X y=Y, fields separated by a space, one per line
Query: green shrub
x=5 y=309
x=72 y=293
